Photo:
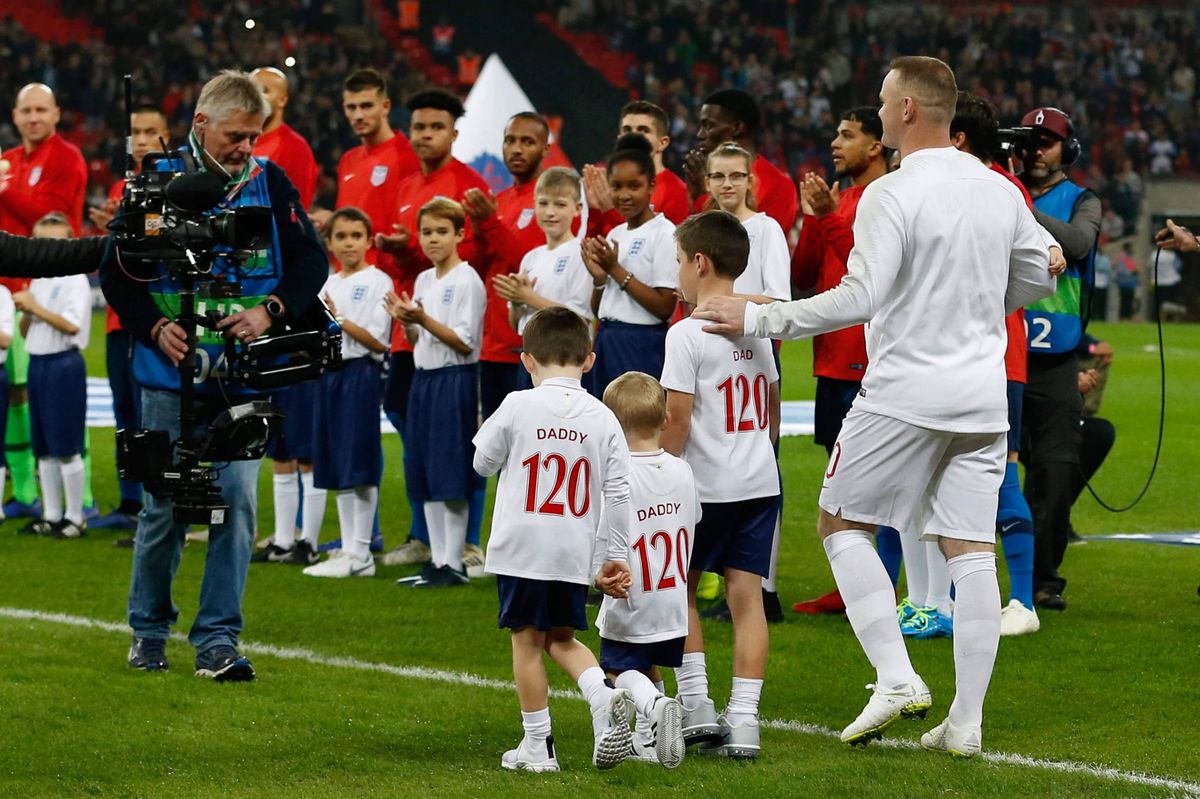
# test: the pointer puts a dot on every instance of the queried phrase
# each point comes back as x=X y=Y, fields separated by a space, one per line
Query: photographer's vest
x=1054 y=324
x=258 y=276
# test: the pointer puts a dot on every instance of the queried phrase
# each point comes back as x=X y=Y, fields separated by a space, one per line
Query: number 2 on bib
x=577 y=479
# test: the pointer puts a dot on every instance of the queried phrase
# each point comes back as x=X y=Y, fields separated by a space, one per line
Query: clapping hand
x=478 y=205
x=600 y=258
x=404 y=308
x=596 y=188
x=817 y=195
x=394 y=243
x=514 y=288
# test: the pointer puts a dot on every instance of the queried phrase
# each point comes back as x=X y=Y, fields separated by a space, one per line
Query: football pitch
x=366 y=688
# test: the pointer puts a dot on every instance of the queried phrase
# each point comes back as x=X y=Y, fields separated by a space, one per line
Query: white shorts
x=930 y=482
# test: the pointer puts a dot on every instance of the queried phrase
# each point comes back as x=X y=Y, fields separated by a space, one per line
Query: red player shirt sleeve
x=838 y=234
x=670 y=197
x=810 y=250
x=776 y=194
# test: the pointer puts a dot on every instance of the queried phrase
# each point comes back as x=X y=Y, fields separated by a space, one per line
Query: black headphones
x=1071 y=150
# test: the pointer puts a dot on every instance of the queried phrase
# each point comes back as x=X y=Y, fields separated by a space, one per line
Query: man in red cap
x=1052 y=404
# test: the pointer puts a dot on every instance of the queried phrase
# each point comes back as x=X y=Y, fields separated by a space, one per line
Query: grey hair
x=231 y=90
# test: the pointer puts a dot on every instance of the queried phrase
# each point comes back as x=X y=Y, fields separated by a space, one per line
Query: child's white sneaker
x=666 y=720
x=344 y=565
x=530 y=757
x=610 y=725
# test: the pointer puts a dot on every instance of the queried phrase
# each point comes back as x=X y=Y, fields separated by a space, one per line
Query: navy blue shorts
x=496 y=381
x=833 y=400
x=293 y=439
x=735 y=535
x=621 y=347
x=1016 y=399
x=399 y=383
x=619 y=656
x=443 y=417
x=57 y=404
x=347 y=449
x=524 y=379
x=541 y=604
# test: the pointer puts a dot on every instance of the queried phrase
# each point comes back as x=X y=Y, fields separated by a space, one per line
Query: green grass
x=1112 y=681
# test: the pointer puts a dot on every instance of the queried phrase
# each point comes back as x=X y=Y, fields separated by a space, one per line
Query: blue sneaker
x=91 y=513
x=222 y=663
x=928 y=623
x=148 y=654
x=906 y=610
x=377 y=542
x=328 y=545
x=14 y=508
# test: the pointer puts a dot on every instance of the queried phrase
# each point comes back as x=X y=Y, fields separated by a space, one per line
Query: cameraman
x=278 y=282
x=1052 y=407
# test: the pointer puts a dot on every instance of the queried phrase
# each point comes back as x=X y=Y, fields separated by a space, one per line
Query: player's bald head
x=38 y=93
x=274 y=85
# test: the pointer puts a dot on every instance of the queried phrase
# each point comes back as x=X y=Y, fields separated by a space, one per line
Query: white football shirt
x=648 y=251
x=769 y=268
x=664 y=509
x=944 y=249
x=71 y=298
x=7 y=315
x=729 y=446
x=562 y=457
x=457 y=301
x=560 y=277
x=359 y=298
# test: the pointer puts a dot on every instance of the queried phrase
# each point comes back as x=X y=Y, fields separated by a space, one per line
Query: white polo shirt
x=71 y=298
x=561 y=457
x=560 y=277
x=729 y=446
x=664 y=509
x=457 y=301
x=769 y=268
x=359 y=298
x=647 y=251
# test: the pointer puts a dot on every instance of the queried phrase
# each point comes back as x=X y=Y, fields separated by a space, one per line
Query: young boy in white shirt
x=444 y=321
x=723 y=411
x=553 y=274
x=561 y=457
x=57 y=326
x=347 y=451
x=647 y=630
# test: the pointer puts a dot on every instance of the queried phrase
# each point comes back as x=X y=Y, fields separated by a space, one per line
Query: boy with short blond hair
x=723 y=410
x=561 y=457
x=649 y=628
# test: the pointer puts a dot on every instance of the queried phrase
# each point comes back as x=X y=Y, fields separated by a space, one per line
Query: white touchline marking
x=475 y=681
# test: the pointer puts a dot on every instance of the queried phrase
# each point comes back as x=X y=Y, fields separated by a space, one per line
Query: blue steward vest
x=258 y=276
x=1054 y=324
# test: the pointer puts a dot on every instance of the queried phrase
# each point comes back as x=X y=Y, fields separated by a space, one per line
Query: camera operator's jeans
x=159 y=546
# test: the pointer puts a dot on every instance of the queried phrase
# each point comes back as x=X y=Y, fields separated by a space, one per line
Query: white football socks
x=916 y=567
x=537 y=728
x=50 y=480
x=976 y=633
x=356 y=516
x=692 y=680
x=313 y=500
x=938 y=591
x=72 y=470
x=870 y=604
x=743 y=701
x=592 y=685
x=645 y=694
x=447 y=523
x=285 y=492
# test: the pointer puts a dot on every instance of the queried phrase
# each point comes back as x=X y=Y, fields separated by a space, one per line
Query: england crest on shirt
x=379 y=174
x=447 y=295
x=560 y=265
x=359 y=294
x=637 y=246
x=525 y=218
x=35 y=175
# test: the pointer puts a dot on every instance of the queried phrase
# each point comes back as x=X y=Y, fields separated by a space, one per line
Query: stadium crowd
x=438 y=281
